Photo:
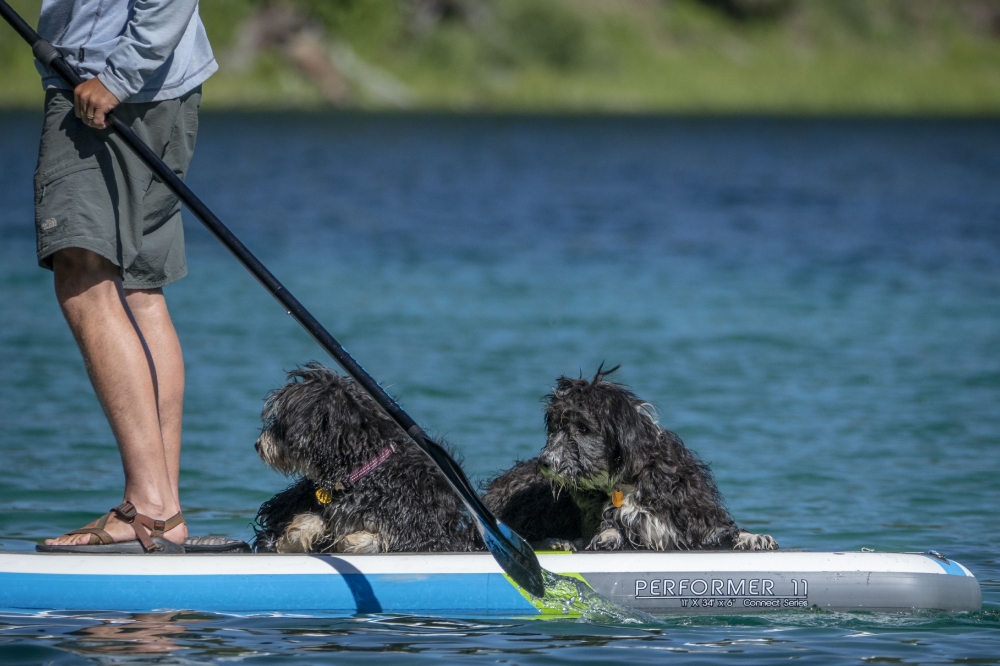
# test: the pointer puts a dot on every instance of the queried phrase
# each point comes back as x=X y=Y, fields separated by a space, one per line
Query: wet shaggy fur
x=603 y=438
x=319 y=428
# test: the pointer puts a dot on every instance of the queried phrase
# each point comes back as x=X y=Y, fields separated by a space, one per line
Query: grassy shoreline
x=817 y=58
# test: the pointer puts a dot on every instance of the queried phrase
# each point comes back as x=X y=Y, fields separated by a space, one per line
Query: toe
x=72 y=539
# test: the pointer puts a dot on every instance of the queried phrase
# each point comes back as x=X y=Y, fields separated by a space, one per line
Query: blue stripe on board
x=346 y=593
x=951 y=568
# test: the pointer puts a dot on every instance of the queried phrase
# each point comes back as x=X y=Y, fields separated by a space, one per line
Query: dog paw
x=554 y=544
x=609 y=539
x=748 y=541
x=360 y=542
x=305 y=530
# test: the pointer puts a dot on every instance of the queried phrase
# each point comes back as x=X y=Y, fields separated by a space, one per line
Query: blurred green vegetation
x=685 y=56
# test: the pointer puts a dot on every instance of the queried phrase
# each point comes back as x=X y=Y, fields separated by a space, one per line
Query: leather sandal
x=148 y=535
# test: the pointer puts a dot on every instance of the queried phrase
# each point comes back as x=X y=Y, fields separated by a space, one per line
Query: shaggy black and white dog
x=362 y=485
x=611 y=478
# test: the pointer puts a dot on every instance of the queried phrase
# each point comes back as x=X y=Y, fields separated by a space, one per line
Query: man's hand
x=93 y=101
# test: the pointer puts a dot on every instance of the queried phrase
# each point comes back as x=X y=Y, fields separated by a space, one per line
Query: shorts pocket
x=74 y=210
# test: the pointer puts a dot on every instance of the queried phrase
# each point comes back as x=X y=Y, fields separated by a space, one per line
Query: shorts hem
x=45 y=256
x=152 y=284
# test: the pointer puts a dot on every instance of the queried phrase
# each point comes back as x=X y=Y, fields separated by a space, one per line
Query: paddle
x=511 y=552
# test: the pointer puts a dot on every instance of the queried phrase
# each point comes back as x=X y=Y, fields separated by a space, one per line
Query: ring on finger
x=90 y=117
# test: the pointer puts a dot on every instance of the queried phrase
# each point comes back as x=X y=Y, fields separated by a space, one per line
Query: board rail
x=699 y=582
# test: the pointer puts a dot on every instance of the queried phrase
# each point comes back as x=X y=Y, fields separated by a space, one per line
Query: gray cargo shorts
x=92 y=192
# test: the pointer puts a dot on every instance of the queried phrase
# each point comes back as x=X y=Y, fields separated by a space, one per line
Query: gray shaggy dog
x=611 y=478
x=362 y=486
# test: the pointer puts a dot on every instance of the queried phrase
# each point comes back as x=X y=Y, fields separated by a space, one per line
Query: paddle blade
x=514 y=556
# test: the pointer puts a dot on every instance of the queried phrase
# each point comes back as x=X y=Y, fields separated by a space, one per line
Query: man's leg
x=123 y=372
x=149 y=309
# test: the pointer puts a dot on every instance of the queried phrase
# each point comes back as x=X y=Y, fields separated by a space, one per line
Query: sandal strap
x=103 y=538
x=161 y=526
x=146 y=528
x=127 y=514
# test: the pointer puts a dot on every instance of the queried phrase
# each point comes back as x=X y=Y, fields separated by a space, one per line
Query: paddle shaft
x=51 y=57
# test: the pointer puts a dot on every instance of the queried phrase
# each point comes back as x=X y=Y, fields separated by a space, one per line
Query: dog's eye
x=582 y=427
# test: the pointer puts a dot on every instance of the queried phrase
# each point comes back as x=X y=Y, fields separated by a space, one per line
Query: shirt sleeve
x=154 y=30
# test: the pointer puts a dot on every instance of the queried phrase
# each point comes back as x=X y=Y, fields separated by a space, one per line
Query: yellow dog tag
x=617 y=498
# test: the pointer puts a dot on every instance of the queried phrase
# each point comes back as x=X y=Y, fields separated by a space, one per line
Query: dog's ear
x=626 y=439
x=617 y=458
x=629 y=431
x=321 y=420
x=287 y=416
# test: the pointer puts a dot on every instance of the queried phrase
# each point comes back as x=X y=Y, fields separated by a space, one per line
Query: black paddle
x=512 y=552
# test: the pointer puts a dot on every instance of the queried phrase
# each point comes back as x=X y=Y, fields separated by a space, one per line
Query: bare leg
x=149 y=309
x=122 y=371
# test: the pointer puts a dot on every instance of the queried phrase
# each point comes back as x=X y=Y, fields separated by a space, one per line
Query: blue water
x=813 y=305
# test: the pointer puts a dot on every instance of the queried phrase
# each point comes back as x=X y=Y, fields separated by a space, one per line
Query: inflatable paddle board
x=472 y=584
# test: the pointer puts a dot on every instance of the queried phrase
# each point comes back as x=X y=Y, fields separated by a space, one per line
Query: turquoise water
x=813 y=305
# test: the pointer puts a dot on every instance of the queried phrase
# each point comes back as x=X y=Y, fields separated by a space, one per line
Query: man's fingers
x=84 y=108
x=92 y=102
x=78 y=106
x=92 y=115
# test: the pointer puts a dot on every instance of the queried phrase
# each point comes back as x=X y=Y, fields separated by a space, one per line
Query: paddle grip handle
x=47 y=54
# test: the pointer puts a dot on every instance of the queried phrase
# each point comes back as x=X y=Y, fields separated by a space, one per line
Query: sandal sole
x=215 y=545
x=124 y=548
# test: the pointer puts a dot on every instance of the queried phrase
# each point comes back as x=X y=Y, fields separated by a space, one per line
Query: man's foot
x=118 y=530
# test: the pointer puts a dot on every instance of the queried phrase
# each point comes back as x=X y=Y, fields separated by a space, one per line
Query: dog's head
x=321 y=425
x=596 y=432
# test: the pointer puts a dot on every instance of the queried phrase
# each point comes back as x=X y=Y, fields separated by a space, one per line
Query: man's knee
x=77 y=270
x=146 y=301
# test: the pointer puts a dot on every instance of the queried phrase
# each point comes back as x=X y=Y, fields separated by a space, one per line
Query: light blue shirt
x=141 y=50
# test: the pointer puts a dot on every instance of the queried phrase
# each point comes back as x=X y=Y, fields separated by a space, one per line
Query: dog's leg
x=305 y=531
x=608 y=537
x=360 y=542
x=642 y=527
x=277 y=513
x=748 y=541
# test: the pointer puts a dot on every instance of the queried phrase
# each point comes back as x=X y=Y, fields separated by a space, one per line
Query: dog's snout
x=264 y=446
x=549 y=461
